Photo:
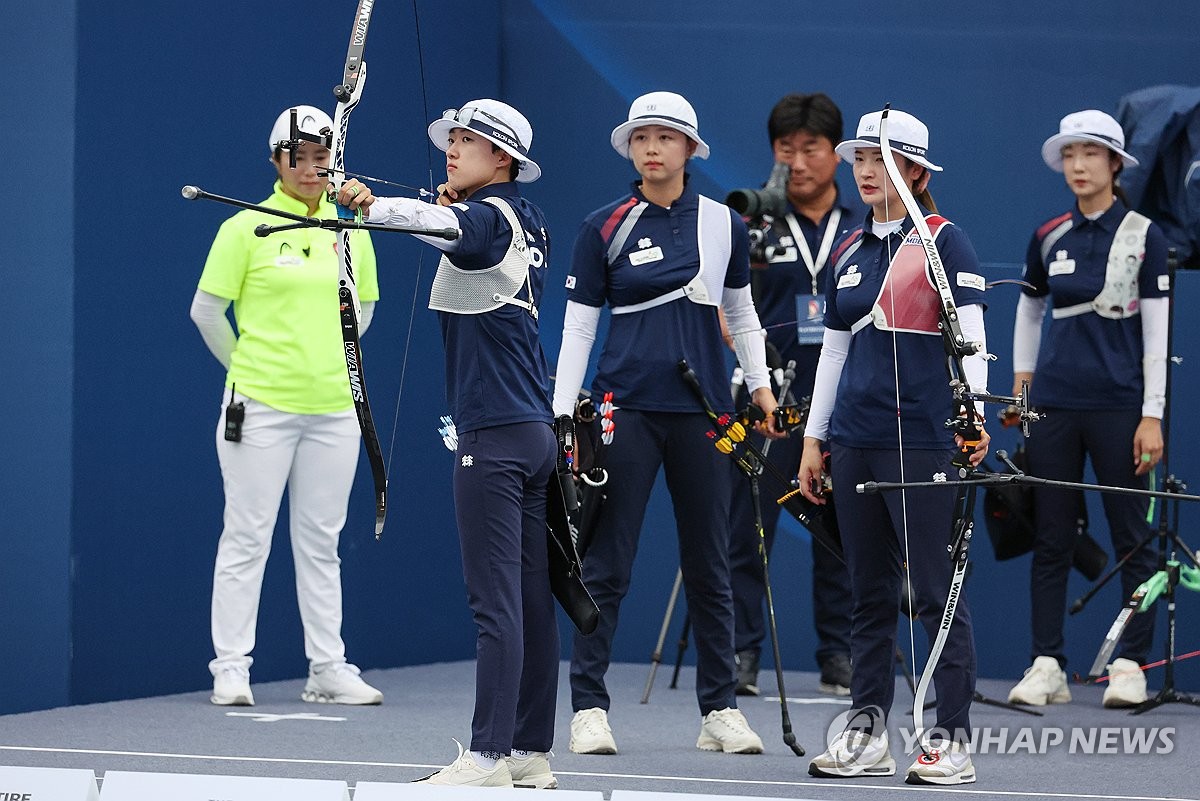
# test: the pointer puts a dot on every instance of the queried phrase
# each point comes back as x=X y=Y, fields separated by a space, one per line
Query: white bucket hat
x=1089 y=125
x=497 y=122
x=310 y=119
x=908 y=136
x=660 y=108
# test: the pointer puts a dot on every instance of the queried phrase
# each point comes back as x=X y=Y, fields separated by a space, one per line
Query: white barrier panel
x=420 y=791
x=127 y=786
x=642 y=795
x=47 y=784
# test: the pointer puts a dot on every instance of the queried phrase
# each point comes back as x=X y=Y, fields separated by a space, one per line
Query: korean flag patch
x=570 y=282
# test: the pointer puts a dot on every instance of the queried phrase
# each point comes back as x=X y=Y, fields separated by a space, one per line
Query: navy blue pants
x=698 y=480
x=1056 y=450
x=830 y=580
x=500 y=477
x=873 y=535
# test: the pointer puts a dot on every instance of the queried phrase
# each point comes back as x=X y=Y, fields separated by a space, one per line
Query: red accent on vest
x=1051 y=225
x=840 y=249
x=615 y=218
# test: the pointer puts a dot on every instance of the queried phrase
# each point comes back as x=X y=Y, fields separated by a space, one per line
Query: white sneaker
x=590 y=732
x=854 y=753
x=943 y=766
x=465 y=771
x=1044 y=683
x=231 y=687
x=339 y=684
x=728 y=730
x=532 y=771
x=1126 y=684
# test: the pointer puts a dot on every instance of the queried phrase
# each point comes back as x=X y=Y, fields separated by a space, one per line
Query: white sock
x=519 y=754
x=486 y=760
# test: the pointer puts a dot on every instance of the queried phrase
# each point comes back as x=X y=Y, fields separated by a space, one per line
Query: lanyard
x=831 y=229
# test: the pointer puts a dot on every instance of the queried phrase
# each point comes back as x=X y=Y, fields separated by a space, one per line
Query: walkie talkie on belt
x=235 y=414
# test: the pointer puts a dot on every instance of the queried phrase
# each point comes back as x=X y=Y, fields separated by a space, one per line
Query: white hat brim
x=846 y=151
x=620 y=135
x=1052 y=149
x=439 y=132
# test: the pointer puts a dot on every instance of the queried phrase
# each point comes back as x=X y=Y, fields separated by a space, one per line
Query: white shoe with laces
x=1045 y=682
x=728 y=730
x=942 y=766
x=532 y=771
x=231 y=687
x=466 y=772
x=1126 y=685
x=590 y=732
x=854 y=753
x=339 y=684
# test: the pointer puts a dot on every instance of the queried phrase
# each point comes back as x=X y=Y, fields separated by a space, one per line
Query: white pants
x=315 y=457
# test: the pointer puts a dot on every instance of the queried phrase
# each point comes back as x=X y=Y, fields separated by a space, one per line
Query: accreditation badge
x=810 y=319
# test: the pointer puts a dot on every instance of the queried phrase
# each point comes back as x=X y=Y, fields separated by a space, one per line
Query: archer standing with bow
x=881 y=402
x=663 y=258
x=1101 y=379
x=486 y=290
x=288 y=419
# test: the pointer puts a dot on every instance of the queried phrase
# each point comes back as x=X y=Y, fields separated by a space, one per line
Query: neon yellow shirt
x=284 y=289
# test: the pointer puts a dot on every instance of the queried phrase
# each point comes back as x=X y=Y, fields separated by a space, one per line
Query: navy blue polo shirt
x=638 y=362
x=1088 y=361
x=785 y=277
x=865 y=413
x=495 y=370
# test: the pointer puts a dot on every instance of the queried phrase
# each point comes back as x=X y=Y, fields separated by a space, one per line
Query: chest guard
x=1118 y=299
x=714 y=238
x=462 y=291
x=908 y=301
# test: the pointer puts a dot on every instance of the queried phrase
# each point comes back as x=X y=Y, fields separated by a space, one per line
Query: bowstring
x=412 y=312
x=912 y=647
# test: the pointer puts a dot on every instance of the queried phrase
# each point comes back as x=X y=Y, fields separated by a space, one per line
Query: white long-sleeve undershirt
x=749 y=338
x=404 y=212
x=208 y=313
x=579 y=333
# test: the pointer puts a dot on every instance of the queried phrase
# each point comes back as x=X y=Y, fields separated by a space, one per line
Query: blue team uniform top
x=639 y=361
x=1088 y=361
x=864 y=415
x=495 y=370
x=786 y=277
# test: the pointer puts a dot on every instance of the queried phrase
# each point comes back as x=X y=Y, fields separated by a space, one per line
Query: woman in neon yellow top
x=287 y=382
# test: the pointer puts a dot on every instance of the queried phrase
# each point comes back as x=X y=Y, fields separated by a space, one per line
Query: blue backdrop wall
x=111 y=498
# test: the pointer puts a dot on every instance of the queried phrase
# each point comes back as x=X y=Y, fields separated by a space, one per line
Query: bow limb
x=956 y=347
x=348 y=93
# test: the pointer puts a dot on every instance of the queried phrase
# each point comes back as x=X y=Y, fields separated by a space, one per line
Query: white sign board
x=642 y=795
x=421 y=791
x=126 y=786
x=47 y=784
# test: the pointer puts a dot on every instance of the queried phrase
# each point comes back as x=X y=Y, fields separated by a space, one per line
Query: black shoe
x=746 y=663
x=835 y=675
